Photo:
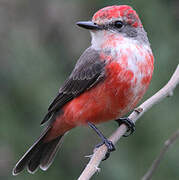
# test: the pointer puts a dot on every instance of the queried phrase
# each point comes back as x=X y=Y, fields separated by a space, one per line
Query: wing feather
x=88 y=72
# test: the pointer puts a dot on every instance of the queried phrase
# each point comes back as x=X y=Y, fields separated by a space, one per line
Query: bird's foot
x=110 y=147
x=129 y=123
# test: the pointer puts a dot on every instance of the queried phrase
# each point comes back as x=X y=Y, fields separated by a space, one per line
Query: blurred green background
x=39 y=45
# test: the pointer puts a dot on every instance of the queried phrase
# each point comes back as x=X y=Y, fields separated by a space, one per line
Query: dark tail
x=40 y=154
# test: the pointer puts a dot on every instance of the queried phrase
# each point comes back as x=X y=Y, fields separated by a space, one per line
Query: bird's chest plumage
x=128 y=72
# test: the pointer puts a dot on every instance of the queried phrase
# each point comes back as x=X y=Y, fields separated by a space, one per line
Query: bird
x=107 y=82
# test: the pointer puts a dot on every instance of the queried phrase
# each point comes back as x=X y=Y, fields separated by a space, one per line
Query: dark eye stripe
x=116 y=24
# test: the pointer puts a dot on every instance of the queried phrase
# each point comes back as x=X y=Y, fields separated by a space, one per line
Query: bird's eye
x=118 y=24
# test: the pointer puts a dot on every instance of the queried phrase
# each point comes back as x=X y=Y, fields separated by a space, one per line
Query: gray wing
x=88 y=72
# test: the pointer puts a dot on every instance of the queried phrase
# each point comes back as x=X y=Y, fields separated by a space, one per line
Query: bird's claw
x=129 y=123
x=110 y=147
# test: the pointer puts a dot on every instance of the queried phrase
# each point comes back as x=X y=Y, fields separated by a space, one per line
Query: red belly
x=114 y=97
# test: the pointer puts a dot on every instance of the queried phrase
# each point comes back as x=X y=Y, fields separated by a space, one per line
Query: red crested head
x=123 y=12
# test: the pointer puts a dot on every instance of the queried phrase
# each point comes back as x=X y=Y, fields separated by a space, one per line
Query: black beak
x=88 y=25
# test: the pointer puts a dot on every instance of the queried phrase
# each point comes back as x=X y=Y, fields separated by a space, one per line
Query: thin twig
x=158 y=159
x=99 y=154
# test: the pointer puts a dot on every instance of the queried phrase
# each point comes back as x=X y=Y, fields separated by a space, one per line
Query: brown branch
x=158 y=159
x=99 y=154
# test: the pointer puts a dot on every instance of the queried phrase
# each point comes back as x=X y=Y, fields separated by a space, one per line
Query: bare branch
x=99 y=154
x=158 y=159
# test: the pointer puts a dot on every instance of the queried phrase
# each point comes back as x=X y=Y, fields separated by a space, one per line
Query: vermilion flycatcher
x=108 y=81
